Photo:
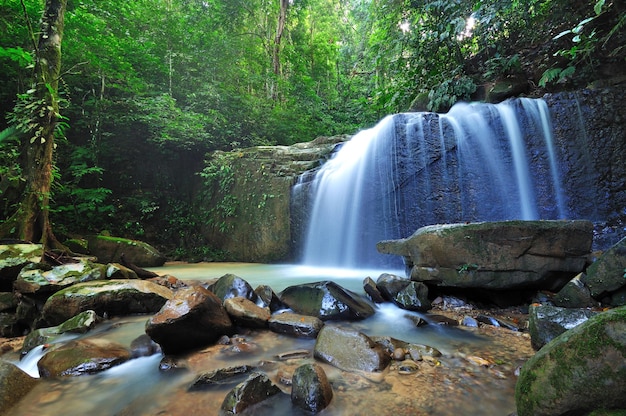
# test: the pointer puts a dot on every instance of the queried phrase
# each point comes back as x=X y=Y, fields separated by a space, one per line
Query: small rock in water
x=469 y=321
x=408 y=367
x=442 y=320
x=399 y=354
x=169 y=363
x=221 y=377
x=283 y=356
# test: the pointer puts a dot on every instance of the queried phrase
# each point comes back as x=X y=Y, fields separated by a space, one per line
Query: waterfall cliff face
x=478 y=162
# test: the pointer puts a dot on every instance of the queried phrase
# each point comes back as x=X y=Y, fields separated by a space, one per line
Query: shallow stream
x=474 y=376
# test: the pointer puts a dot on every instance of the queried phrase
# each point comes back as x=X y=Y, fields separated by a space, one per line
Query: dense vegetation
x=148 y=88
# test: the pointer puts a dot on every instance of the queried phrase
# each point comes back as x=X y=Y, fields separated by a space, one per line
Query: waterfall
x=478 y=162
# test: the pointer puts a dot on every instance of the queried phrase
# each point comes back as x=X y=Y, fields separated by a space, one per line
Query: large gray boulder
x=581 y=370
x=117 y=297
x=193 y=318
x=496 y=255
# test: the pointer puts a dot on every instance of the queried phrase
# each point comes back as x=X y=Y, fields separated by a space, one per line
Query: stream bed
x=474 y=375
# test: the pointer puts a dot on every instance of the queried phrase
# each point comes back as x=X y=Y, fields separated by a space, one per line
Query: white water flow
x=478 y=162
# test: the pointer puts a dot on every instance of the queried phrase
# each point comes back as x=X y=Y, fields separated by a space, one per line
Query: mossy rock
x=117 y=297
x=110 y=249
x=13 y=257
x=14 y=384
x=579 y=371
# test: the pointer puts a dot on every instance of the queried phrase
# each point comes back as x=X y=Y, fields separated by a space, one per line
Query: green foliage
x=218 y=178
x=449 y=92
x=499 y=66
x=18 y=55
x=77 y=198
x=585 y=38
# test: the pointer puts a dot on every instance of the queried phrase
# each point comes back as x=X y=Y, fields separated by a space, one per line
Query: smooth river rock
x=327 y=300
x=350 y=350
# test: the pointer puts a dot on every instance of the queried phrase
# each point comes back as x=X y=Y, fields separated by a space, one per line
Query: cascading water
x=478 y=162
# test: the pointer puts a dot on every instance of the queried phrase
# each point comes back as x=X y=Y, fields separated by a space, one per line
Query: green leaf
x=598 y=7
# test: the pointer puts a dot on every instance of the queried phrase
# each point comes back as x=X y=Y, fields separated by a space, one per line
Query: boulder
x=194 y=317
x=84 y=356
x=40 y=278
x=369 y=286
x=404 y=292
x=295 y=324
x=581 y=370
x=606 y=274
x=349 y=350
x=143 y=346
x=14 y=384
x=268 y=298
x=546 y=322
x=326 y=300
x=78 y=324
x=575 y=294
x=246 y=313
x=105 y=297
x=501 y=255
x=13 y=257
x=230 y=286
x=110 y=249
x=310 y=388
x=255 y=389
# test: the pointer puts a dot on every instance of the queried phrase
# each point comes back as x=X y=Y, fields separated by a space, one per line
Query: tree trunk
x=280 y=28
x=30 y=221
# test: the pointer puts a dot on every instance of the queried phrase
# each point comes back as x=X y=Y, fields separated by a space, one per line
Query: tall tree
x=40 y=114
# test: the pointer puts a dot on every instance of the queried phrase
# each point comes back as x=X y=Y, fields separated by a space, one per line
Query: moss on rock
x=581 y=370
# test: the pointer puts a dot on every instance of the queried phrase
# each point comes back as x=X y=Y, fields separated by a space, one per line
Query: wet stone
x=255 y=389
x=221 y=377
x=311 y=389
x=408 y=367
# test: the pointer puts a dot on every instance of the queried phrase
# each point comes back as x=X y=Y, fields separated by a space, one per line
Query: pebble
x=408 y=367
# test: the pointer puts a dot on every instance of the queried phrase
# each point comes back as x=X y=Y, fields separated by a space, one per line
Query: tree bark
x=30 y=221
x=280 y=28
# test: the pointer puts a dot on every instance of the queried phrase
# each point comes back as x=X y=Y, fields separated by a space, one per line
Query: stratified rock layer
x=496 y=255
